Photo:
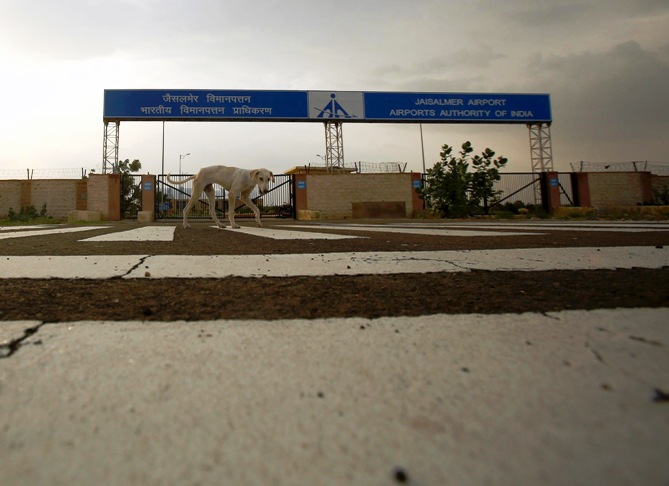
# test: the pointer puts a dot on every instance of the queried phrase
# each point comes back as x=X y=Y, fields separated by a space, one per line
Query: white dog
x=234 y=180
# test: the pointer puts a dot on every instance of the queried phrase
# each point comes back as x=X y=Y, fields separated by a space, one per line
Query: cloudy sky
x=605 y=65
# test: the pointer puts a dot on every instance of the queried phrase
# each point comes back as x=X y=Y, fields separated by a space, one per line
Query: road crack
x=8 y=349
x=134 y=267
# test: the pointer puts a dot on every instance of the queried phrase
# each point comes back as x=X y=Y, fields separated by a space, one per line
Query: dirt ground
x=56 y=300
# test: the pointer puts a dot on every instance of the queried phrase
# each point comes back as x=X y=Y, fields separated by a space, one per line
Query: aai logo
x=337 y=105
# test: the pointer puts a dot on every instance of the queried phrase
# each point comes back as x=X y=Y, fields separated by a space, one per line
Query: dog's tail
x=182 y=181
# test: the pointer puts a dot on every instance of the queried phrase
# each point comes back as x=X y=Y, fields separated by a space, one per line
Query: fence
x=525 y=187
x=30 y=174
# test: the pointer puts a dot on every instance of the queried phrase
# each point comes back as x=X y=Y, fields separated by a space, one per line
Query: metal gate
x=131 y=195
x=171 y=199
x=524 y=187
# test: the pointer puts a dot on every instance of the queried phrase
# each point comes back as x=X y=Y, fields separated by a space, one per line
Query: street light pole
x=181 y=157
x=422 y=146
x=162 y=166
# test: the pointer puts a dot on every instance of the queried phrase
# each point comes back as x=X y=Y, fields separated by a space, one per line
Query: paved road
x=564 y=397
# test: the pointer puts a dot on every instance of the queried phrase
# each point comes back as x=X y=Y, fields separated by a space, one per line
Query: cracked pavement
x=94 y=399
x=429 y=358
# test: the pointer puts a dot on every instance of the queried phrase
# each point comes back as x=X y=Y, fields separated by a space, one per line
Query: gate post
x=416 y=202
x=300 y=190
x=148 y=213
x=580 y=189
x=550 y=191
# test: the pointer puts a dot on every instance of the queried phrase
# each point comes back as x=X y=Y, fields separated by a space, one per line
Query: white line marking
x=322 y=264
x=92 y=267
x=28 y=227
x=616 y=229
x=23 y=234
x=540 y=225
x=287 y=234
x=145 y=233
x=417 y=231
x=361 y=263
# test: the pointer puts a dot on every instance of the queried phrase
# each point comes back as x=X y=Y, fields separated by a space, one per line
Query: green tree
x=131 y=192
x=486 y=173
x=452 y=191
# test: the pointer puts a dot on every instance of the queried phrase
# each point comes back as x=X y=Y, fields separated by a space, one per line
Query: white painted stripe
x=322 y=264
x=416 y=231
x=540 y=225
x=23 y=234
x=287 y=234
x=94 y=267
x=28 y=227
x=145 y=233
x=220 y=266
x=592 y=229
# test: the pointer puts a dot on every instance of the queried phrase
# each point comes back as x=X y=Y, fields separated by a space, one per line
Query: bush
x=28 y=214
x=452 y=191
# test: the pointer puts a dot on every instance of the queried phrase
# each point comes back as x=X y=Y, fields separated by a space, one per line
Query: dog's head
x=262 y=177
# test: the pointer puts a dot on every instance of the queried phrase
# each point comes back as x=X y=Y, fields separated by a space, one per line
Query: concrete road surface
x=568 y=398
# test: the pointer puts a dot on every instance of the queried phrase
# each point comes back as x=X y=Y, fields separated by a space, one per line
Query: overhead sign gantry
x=329 y=107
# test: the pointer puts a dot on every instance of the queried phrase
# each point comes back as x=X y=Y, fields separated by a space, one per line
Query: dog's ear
x=271 y=175
x=254 y=174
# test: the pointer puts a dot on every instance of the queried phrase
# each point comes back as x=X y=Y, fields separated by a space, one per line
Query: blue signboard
x=457 y=107
x=322 y=106
x=204 y=105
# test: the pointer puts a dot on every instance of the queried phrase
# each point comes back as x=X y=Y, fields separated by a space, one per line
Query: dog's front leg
x=246 y=200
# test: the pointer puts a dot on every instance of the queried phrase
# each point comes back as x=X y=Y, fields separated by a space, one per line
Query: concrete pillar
x=114 y=210
x=148 y=212
x=416 y=202
x=300 y=181
x=580 y=189
x=550 y=191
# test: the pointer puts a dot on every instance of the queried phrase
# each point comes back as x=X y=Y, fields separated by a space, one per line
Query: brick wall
x=333 y=195
x=59 y=195
x=659 y=183
x=98 y=192
x=104 y=195
x=619 y=189
x=10 y=197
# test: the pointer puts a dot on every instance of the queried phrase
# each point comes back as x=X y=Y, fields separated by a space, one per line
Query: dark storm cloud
x=614 y=93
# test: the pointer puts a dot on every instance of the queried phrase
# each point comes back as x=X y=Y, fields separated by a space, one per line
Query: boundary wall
x=322 y=196
x=354 y=196
x=610 y=190
x=98 y=193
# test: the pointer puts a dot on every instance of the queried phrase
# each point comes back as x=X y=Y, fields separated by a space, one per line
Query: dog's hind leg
x=194 y=197
x=231 y=209
x=211 y=196
x=187 y=209
x=246 y=200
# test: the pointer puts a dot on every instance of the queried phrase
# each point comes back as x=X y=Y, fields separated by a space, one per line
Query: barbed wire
x=657 y=168
x=367 y=167
x=23 y=174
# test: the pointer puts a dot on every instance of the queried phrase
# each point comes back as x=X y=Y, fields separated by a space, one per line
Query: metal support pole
x=541 y=152
x=110 y=148
x=334 y=146
x=162 y=167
